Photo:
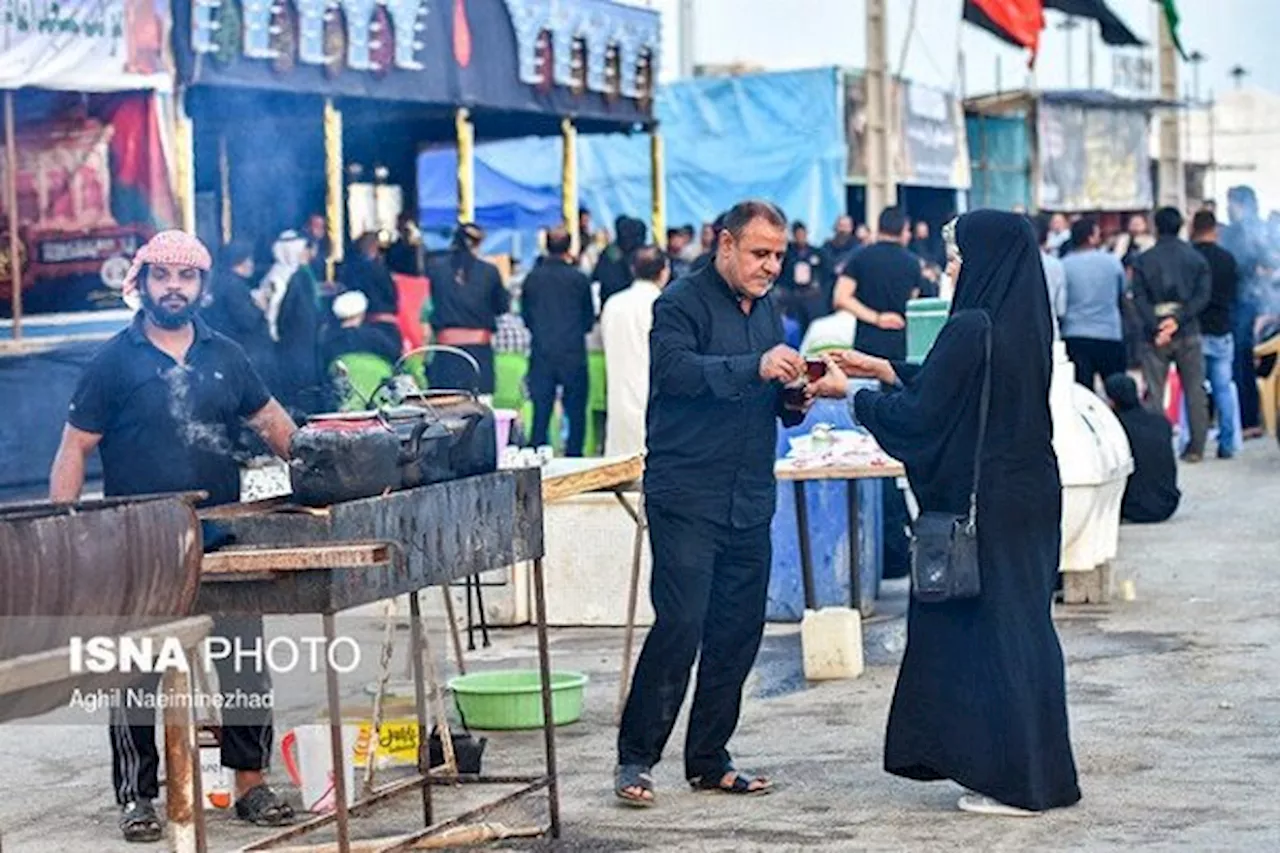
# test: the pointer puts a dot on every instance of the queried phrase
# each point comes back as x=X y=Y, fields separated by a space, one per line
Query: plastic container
x=512 y=699
x=925 y=319
x=831 y=641
x=502 y=421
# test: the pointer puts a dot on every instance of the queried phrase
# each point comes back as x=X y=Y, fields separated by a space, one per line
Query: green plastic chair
x=509 y=371
x=597 y=403
x=365 y=372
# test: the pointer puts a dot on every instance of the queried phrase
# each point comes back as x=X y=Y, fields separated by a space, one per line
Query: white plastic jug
x=309 y=762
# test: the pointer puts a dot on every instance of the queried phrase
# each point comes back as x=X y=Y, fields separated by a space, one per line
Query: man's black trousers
x=709 y=587
x=246 y=731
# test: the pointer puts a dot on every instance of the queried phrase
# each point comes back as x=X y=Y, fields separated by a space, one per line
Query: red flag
x=1018 y=22
x=461 y=34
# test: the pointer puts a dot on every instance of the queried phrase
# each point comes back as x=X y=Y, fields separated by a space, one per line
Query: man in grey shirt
x=1091 y=326
x=1055 y=277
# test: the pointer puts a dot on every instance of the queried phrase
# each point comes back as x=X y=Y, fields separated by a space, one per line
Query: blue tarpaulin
x=777 y=136
x=501 y=202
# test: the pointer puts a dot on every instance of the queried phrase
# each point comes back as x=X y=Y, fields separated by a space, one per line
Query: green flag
x=1171 y=15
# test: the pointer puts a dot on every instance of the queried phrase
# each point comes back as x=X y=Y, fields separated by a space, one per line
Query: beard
x=168 y=316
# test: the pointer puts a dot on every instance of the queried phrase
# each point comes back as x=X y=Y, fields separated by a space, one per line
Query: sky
x=807 y=33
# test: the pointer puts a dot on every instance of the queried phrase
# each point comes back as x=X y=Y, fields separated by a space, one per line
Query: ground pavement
x=1175 y=710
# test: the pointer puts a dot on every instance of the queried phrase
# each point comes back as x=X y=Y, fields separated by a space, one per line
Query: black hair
x=236 y=252
x=737 y=218
x=559 y=241
x=648 y=262
x=1041 y=223
x=1168 y=222
x=1082 y=231
x=892 y=221
x=1203 y=222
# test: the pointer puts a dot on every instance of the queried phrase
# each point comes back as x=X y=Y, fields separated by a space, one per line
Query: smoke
x=211 y=438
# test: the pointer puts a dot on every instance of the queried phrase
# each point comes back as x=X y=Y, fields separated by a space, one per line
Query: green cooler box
x=925 y=319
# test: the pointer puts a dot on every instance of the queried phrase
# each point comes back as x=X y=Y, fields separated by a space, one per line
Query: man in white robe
x=625 y=322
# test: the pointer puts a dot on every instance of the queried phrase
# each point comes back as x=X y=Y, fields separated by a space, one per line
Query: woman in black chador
x=981 y=694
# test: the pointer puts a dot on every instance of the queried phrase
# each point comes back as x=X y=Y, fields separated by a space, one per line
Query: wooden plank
x=301 y=558
x=787 y=470
x=566 y=478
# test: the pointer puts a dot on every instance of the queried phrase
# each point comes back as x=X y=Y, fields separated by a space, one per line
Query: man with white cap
x=353 y=334
x=163 y=402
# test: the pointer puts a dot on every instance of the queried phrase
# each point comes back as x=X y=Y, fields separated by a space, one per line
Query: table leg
x=855 y=546
x=447 y=589
x=806 y=556
x=420 y=700
x=183 y=805
x=336 y=746
x=548 y=722
x=471 y=625
x=633 y=595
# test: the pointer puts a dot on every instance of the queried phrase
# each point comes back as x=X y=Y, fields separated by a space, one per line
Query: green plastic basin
x=512 y=699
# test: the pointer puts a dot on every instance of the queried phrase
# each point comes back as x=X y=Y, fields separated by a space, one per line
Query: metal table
x=786 y=469
x=439 y=533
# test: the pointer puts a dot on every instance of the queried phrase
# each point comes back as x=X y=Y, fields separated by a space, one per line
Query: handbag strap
x=983 y=406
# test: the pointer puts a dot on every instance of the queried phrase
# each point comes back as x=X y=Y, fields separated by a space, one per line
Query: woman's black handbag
x=944 y=547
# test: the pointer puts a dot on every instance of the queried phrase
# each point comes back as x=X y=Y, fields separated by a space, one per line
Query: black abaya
x=981 y=696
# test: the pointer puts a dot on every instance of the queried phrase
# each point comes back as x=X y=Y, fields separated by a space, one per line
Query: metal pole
x=806 y=549
x=687 y=31
x=336 y=748
x=1172 y=183
x=633 y=594
x=569 y=182
x=183 y=806
x=11 y=199
x=333 y=186
x=1088 y=41
x=658 y=185
x=466 y=134
x=880 y=186
x=548 y=721
x=184 y=158
x=224 y=186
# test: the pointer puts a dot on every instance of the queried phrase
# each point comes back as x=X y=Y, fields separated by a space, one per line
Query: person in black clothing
x=317 y=234
x=1151 y=495
x=613 y=270
x=368 y=273
x=1216 y=328
x=230 y=308
x=1247 y=240
x=876 y=285
x=558 y=311
x=837 y=250
x=1171 y=287
x=467 y=298
x=924 y=247
x=293 y=317
x=981 y=695
x=802 y=284
x=161 y=402
x=405 y=255
x=717 y=366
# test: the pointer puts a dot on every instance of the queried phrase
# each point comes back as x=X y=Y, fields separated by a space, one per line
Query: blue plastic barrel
x=828 y=532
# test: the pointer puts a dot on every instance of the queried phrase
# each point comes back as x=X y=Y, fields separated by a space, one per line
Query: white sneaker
x=978 y=804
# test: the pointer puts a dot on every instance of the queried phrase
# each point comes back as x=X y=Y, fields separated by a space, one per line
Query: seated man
x=353 y=333
x=1152 y=492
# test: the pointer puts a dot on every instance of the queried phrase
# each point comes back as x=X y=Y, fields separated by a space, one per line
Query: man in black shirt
x=613 y=270
x=875 y=287
x=558 y=311
x=1151 y=494
x=162 y=402
x=1216 y=328
x=802 y=283
x=1171 y=286
x=717 y=366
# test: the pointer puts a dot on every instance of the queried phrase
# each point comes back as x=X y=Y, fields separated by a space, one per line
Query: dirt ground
x=1175 y=711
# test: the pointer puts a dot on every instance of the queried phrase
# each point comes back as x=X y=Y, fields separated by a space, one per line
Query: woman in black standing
x=981 y=697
